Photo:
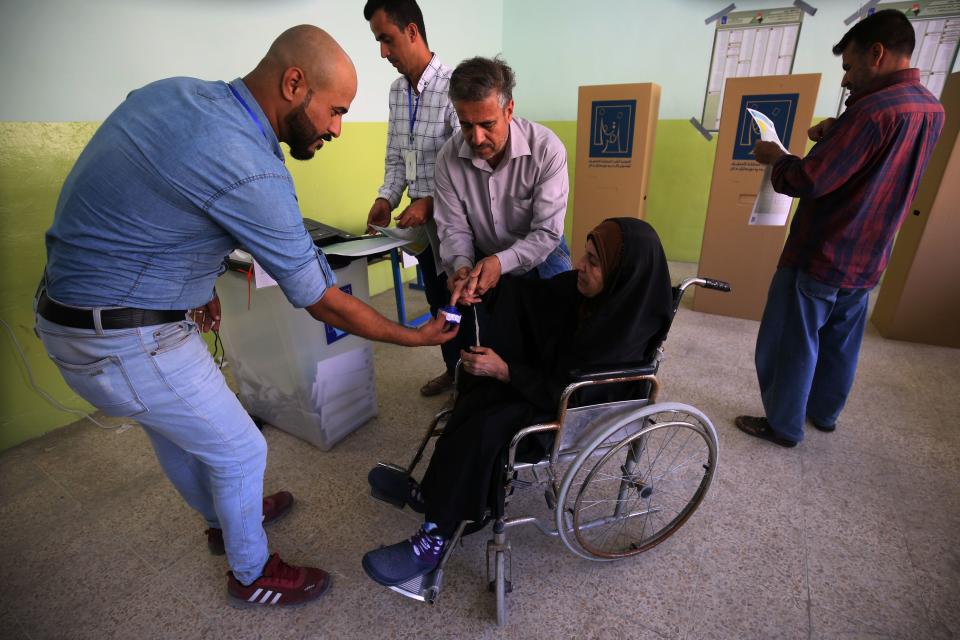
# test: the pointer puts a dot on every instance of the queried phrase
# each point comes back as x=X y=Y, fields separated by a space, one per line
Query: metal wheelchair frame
x=631 y=428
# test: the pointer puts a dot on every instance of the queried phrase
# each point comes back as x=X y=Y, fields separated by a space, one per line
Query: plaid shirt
x=436 y=121
x=857 y=182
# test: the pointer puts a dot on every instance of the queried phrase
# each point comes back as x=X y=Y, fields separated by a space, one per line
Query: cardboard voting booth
x=919 y=299
x=746 y=221
x=616 y=124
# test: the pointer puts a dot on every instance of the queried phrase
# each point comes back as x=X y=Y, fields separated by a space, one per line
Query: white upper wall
x=554 y=46
x=67 y=60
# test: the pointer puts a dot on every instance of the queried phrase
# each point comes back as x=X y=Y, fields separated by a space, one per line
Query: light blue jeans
x=164 y=377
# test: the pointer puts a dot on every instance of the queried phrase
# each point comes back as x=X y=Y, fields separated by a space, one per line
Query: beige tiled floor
x=850 y=535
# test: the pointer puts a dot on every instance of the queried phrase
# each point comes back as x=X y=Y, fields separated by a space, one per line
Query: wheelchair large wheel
x=637 y=482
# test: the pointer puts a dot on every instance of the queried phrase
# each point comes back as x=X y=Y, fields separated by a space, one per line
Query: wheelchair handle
x=719 y=285
x=706 y=283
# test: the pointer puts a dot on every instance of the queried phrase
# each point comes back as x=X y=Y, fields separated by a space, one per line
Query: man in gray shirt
x=501 y=188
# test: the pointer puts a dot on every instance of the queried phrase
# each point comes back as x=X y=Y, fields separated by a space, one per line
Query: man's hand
x=207 y=317
x=418 y=213
x=817 y=131
x=352 y=315
x=767 y=152
x=484 y=361
x=456 y=284
x=379 y=214
x=432 y=332
x=484 y=277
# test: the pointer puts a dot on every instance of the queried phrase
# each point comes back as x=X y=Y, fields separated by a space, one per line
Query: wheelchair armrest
x=603 y=372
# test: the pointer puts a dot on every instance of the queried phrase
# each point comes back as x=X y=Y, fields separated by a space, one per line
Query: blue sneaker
x=405 y=560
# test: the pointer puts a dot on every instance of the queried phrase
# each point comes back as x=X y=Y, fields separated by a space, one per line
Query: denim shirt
x=178 y=176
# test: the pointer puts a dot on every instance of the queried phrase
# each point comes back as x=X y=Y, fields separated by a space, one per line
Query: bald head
x=314 y=51
x=304 y=85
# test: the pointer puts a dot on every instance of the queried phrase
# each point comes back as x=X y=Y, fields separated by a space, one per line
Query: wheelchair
x=620 y=478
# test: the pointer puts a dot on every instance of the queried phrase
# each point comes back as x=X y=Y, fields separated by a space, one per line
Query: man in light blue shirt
x=182 y=173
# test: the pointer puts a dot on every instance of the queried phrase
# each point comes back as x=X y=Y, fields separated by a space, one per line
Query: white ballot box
x=297 y=374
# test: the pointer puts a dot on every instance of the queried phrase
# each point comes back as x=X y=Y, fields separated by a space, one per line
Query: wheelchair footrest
x=389 y=484
x=424 y=588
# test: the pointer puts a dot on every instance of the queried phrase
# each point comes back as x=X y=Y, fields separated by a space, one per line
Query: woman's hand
x=484 y=361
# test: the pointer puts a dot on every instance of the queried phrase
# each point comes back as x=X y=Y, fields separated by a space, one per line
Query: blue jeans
x=557 y=262
x=164 y=377
x=807 y=350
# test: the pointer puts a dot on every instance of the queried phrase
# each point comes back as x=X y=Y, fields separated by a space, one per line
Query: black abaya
x=543 y=329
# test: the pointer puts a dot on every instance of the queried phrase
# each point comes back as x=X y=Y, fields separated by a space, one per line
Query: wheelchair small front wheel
x=646 y=482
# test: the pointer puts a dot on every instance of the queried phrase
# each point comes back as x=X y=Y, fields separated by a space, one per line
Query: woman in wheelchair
x=612 y=310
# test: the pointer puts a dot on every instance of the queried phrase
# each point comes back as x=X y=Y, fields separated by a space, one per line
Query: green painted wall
x=337 y=187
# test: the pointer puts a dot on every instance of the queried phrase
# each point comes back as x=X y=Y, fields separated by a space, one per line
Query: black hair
x=399 y=12
x=474 y=79
x=889 y=27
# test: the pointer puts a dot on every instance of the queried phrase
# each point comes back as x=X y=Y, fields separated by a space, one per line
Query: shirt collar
x=428 y=74
x=903 y=75
x=268 y=134
x=517 y=147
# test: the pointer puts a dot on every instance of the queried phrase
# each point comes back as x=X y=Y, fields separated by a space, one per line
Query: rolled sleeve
x=262 y=214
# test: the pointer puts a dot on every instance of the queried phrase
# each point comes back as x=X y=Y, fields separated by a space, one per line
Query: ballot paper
x=364 y=246
x=771 y=208
x=415 y=237
x=261 y=278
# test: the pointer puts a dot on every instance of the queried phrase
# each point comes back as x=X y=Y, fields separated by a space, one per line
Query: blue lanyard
x=412 y=110
x=250 y=112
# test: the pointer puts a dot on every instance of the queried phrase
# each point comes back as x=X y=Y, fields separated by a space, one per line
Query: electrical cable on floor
x=218 y=348
x=46 y=396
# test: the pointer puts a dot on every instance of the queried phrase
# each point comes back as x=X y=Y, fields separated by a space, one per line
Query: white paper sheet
x=261 y=278
x=415 y=237
x=771 y=208
x=364 y=246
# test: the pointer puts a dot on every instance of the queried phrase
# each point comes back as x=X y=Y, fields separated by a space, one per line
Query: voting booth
x=919 y=299
x=746 y=221
x=616 y=124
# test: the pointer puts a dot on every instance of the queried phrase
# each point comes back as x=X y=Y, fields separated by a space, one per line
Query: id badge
x=410 y=162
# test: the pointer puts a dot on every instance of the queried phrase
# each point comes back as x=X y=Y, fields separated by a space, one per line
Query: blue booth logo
x=611 y=128
x=334 y=334
x=780 y=108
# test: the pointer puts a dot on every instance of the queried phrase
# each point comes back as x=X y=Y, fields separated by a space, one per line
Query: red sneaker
x=274 y=508
x=281 y=585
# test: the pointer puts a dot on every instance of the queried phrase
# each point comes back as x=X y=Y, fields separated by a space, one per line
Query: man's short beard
x=301 y=132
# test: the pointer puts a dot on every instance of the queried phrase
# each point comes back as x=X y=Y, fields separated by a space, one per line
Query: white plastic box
x=297 y=374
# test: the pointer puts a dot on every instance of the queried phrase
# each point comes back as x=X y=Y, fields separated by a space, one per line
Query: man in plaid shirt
x=422 y=119
x=854 y=186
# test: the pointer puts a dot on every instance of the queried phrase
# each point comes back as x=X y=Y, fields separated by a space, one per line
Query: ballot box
x=297 y=374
